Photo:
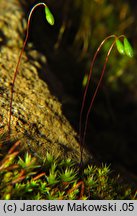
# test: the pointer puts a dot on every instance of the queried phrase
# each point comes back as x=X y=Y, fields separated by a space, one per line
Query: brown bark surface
x=37 y=118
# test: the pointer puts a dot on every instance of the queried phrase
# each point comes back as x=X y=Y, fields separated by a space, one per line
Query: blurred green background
x=80 y=26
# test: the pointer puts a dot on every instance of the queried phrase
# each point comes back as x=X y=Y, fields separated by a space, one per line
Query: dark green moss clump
x=23 y=177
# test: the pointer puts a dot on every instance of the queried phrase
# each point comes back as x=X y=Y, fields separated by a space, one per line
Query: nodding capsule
x=49 y=16
x=128 y=48
x=120 y=47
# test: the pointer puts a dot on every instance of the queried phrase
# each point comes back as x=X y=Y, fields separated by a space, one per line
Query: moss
x=24 y=177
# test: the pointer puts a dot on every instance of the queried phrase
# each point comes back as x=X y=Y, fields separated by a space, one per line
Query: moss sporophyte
x=50 y=19
x=123 y=47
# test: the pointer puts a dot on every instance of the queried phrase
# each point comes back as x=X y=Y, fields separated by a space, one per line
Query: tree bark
x=37 y=118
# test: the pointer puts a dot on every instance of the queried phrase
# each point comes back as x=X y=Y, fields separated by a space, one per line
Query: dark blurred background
x=80 y=26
